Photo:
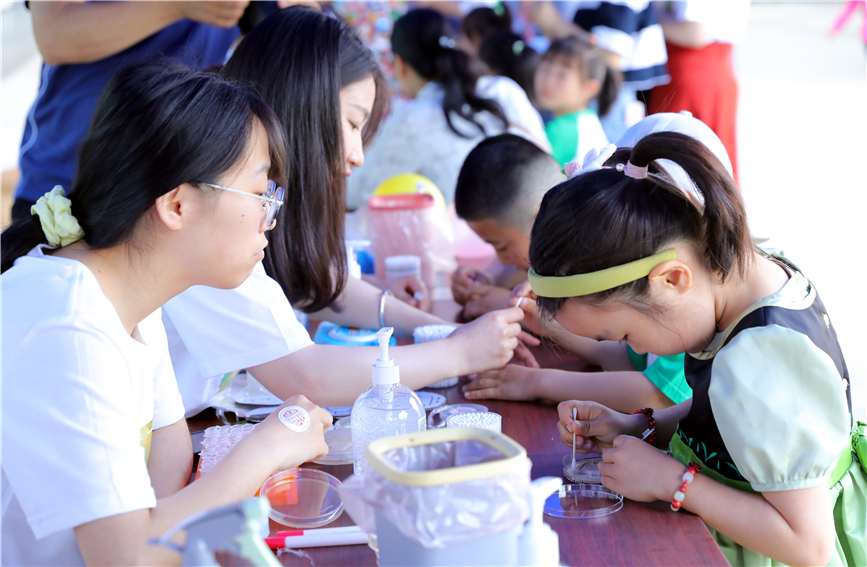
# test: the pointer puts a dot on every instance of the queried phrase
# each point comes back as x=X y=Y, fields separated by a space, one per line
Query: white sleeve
x=168 y=405
x=524 y=119
x=396 y=149
x=780 y=407
x=71 y=452
x=231 y=329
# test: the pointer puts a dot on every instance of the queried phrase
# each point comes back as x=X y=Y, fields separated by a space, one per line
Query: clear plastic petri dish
x=302 y=498
x=438 y=417
x=583 y=501
x=585 y=469
x=339 y=447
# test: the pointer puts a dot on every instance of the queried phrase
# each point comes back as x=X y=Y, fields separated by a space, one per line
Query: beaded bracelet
x=689 y=476
x=649 y=434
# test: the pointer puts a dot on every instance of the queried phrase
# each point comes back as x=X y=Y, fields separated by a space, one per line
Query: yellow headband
x=594 y=282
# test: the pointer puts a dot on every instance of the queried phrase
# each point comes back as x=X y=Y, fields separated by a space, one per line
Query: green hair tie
x=594 y=282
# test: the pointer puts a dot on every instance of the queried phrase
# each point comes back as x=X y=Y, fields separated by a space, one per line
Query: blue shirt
x=60 y=116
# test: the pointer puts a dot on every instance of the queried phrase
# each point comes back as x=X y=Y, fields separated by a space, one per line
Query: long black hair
x=576 y=51
x=299 y=59
x=603 y=218
x=507 y=54
x=423 y=39
x=155 y=127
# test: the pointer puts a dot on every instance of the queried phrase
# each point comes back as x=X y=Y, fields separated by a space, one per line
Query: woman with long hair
x=330 y=95
x=177 y=183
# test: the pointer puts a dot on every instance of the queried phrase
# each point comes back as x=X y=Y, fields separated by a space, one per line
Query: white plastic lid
x=406 y=265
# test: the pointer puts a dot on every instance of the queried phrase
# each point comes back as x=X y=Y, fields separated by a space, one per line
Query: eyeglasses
x=273 y=200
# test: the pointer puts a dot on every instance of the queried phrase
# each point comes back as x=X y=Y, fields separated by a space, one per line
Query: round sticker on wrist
x=295 y=418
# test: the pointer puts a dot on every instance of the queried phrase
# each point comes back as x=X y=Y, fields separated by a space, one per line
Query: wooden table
x=638 y=534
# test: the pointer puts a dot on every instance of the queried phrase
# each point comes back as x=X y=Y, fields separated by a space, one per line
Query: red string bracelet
x=691 y=470
x=649 y=434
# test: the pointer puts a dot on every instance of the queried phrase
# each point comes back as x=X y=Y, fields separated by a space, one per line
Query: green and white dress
x=573 y=135
x=664 y=372
x=771 y=411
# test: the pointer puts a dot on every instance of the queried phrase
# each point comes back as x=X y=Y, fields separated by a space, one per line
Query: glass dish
x=482 y=419
x=583 y=501
x=302 y=498
x=438 y=417
x=585 y=470
x=339 y=442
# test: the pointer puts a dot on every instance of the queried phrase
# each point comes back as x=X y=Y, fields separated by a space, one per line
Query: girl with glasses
x=96 y=451
x=330 y=95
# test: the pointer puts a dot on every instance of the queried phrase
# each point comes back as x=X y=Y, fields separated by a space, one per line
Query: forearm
x=620 y=391
x=83 y=32
x=805 y=538
x=335 y=375
x=360 y=303
x=171 y=458
x=610 y=356
x=686 y=34
x=124 y=539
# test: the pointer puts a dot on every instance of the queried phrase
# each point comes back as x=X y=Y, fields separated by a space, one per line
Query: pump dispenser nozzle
x=385 y=371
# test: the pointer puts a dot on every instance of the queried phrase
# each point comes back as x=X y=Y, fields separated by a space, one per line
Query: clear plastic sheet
x=443 y=515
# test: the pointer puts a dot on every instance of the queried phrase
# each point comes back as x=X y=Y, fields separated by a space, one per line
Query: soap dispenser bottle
x=386 y=408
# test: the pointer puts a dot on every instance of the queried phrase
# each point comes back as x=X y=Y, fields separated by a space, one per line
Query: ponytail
x=726 y=235
x=608 y=91
x=422 y=39
x=18 y=239
x=507 y=54
x=602 y=219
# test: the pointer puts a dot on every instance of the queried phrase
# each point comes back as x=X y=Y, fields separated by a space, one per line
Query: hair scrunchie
x=55 y=215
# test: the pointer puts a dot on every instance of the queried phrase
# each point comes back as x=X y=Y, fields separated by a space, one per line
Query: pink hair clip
x=592 y=161
x=632 y=170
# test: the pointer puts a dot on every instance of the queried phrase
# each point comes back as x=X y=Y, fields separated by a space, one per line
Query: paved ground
x=803 y=144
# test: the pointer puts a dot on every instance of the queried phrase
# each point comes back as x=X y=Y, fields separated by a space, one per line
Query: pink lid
x=401 y=202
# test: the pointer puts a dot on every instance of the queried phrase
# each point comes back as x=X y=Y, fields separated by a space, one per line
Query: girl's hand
x=639 y=471
x=292 y=448
x=492 y=340
x=466 y=282
x=595 y=427
x=512 y=382
x=413 y=291
x=524 y=298
x=490 y=298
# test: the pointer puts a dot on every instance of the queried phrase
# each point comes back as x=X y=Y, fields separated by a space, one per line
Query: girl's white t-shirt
x=212 y=332
x=80 y=400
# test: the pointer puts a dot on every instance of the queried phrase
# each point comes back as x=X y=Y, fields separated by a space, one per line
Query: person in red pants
x=700 y=37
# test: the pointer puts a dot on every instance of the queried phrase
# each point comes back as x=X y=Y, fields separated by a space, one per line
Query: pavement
x=802 y=135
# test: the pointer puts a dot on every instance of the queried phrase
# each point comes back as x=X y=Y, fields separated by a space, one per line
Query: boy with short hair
x=499 y=190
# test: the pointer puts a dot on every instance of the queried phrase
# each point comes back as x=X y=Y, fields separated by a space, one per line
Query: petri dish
x=343 y=422
x=585 y=470
x=583 y=500
x=302 y=498
x=438 y=417
x=339 y=447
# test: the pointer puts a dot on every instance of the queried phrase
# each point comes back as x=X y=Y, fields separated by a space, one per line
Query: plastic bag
x=412 y=224
x=441 y=515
